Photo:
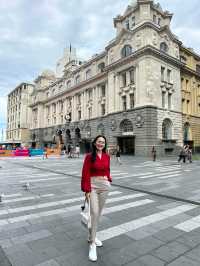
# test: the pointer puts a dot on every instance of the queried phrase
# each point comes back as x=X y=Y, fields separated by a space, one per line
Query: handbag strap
x=84 y=204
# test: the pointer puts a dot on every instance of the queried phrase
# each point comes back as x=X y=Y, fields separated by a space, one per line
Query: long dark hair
x=94 y=149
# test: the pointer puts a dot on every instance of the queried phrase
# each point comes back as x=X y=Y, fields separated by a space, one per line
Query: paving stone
x=147 y=260
x=194 y=254
x=170 y=251
x=48 y=263
x=31 y=237
x=4 y=259
x=184 y=261
x=168 y=234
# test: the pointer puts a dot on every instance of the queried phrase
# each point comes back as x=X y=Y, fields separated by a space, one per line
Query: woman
x=96 y=184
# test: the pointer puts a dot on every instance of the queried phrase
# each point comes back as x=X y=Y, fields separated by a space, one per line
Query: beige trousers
x=98 y=195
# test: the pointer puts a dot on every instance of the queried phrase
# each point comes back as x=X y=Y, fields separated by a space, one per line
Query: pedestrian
x=77 y=151
x=153 y=152
x=69 y=148
x=189 y=154
x=45 y=155
x=182 y=154
x=118 y=155
x=95 y=183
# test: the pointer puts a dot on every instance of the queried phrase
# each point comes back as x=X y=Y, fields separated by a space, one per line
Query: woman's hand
x=87 y=195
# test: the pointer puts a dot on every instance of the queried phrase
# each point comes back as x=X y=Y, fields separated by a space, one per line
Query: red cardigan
x=101 y=167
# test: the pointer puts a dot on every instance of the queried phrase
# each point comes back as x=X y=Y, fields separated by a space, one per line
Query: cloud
x=33 y=34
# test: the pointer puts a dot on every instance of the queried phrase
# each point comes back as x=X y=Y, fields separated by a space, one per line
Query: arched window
x=167 y=129
x=100 y=129
x=77 y=80
x=163 y=47
x=101 y=67
x=126 y=126
x=126 y=50
x=88 y=74
x=68 y=83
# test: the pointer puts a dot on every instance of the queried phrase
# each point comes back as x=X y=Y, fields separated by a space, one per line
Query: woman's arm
x=85 y=180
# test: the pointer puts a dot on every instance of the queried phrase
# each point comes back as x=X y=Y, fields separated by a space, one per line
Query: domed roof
x=48 y=73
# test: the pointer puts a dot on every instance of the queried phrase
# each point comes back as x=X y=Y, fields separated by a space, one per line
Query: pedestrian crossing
x=118 y=203
x=126 y=212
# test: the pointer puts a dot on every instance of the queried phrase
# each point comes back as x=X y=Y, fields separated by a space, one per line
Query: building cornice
x=147 y=50
x=190 y=71
x=190 y=52
x=20 y=85
x=73 y=89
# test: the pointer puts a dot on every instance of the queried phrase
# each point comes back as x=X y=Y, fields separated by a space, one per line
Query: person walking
x=95 y=182
x=182 y=154
x=118 y=155
x=45 y=155
x=189 y=154
x=77 y=150
x=153 y=152
x=69 y=148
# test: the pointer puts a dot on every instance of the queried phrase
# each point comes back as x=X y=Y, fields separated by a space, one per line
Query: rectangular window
x=54 y=108
x=103 y=109
x=127 y=24
x=187 y=82
x=90 y=112
x=163 y=99
x=79 y=115
x=154 y=18
x=159 y=20
x=61 y=106
x=188 y=106
x=124 y=105
x=133 y=22
x=54 y=120
x=168 y=75
x=131 y=73
x=169 y=101
x=90 y=94
x=79 y=99
x=124 y=79
x=103 y=90
x=162 y=74
x=61 y=120
x=132 y=102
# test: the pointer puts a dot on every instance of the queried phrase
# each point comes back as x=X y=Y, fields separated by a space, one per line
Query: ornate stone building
x=131 y=92
x=190 y=88
x=19 y=114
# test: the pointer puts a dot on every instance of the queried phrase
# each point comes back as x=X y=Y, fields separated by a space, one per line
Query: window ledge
x=169 y=140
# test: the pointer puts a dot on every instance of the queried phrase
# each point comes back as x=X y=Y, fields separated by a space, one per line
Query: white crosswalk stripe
x=189 y=225
x=141 y=222
x=73 y=208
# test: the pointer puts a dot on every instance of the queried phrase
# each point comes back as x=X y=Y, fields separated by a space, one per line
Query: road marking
x=189 y=225
x=160 y=174
x=138 y=223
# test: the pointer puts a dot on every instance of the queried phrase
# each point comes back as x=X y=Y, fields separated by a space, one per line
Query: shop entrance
x=127 y=145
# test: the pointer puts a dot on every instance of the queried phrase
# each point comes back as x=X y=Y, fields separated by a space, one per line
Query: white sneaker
x=92 y=252
x=97 y=242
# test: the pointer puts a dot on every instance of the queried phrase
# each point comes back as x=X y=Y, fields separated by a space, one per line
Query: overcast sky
x=33 y=34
